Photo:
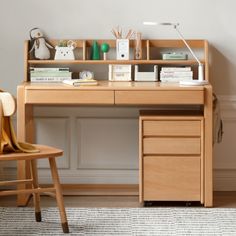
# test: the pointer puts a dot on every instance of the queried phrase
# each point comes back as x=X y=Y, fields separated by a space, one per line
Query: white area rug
x=122 y=221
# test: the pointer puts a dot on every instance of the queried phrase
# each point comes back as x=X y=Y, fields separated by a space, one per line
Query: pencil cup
x=122 y=49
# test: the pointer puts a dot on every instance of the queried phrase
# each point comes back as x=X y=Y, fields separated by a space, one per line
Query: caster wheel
x=147 y=204
x=188 y=204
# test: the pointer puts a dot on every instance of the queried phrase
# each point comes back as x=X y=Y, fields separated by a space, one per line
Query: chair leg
x=34 y=174
x=59 y=197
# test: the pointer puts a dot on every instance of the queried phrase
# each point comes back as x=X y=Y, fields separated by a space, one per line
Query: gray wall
x=212 y=20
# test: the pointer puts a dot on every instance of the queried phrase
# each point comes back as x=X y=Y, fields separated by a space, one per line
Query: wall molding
x=228 y=107
x=224 y=178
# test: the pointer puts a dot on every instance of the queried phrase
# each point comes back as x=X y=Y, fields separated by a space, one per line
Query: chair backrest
x=8 y=103
x=7 y=109
x=8 y=140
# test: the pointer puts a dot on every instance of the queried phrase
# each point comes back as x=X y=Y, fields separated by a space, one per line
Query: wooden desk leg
x=208 y=178
x=25 y=132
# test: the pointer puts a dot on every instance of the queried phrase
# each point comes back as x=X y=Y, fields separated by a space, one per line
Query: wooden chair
x=44 y=152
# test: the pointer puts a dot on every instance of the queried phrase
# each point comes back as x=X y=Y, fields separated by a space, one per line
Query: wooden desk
x=115 y=94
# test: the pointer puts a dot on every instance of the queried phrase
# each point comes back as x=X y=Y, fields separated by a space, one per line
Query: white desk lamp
x=200 y=80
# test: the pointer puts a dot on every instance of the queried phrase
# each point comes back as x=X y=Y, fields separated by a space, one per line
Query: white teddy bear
x=40 y=46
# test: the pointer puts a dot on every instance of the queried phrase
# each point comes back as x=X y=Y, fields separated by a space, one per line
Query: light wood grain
x=175 y=146
x=69 y=97
x=171 y=128
x=208 y=147
x=160 y=97
x=171 y=178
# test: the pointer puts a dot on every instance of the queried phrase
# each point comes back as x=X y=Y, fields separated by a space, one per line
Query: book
x=80 y=82
x=176 y=74
x=50 y=79
x=186 y=68
x=50 y=74
x=48 y=69
x=174 y=80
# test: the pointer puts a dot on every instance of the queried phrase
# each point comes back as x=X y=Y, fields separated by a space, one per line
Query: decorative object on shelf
x=138 y=46
x=122 y=44
x=65 y=50
x=95 y=51
x=39 y=44
x=105 y=48
x=200 y=80
x=122 y=49
x=174 y=56
x=120 y=72
x=146 y=76
x=86 y=74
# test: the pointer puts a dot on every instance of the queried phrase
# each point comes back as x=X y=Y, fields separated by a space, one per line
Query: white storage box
x=146 y=76
x=120 y=72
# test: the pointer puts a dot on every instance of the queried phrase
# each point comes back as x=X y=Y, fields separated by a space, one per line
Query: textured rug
x=122 y=221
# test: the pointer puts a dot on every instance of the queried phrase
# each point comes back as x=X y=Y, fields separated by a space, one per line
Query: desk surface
x=110 y=85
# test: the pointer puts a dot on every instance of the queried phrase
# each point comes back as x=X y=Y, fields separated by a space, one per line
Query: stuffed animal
x=40 y=46
x=64 y=51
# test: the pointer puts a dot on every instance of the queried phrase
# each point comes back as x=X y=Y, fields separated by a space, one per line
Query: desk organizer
x=120 y=72
x=146 y=76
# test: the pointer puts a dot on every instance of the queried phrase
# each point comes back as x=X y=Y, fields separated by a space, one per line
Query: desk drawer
x=159 y=97
x=171 y=128
x=171 y=178
x=69 y=97
x=172 y=146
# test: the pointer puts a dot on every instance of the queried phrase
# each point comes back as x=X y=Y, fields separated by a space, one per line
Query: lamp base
x=194 y=83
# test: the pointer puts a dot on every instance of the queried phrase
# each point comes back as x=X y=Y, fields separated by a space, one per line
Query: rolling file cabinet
x=171 y=156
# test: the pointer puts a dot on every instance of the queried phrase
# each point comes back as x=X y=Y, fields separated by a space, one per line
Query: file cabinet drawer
x=172 y=178
x=172 y=146
x=171 y=128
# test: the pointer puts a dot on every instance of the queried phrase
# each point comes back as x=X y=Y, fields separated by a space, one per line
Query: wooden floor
x=221 y=199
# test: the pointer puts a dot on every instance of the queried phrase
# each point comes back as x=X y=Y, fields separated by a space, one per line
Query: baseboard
x=100 y=189
x=225 y=180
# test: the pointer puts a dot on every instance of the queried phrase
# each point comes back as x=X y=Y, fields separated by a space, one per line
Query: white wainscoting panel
x=54 y=131
x=107 y=143
x=101 y=144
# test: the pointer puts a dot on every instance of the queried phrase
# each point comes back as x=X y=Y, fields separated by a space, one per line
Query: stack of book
x=49 y=75
x=176 y=74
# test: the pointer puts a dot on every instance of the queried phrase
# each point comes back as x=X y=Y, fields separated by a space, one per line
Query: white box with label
x=122 y=49
x=120 y=72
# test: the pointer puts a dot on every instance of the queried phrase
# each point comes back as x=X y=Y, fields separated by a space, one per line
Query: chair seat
x=44 y=152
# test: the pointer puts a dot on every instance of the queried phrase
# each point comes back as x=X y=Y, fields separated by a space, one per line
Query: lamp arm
x=186 y=44
x=200 y=65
